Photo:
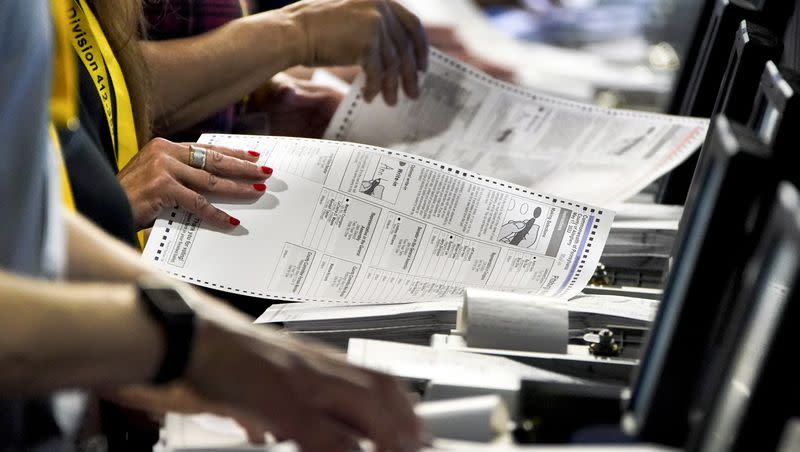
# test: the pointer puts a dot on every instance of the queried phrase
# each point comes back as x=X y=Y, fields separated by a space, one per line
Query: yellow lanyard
x=94 y=51
x=245 y=8
x=66 y=189
x=63 y=98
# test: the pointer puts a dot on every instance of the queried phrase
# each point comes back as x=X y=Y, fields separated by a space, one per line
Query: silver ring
x=197 y=157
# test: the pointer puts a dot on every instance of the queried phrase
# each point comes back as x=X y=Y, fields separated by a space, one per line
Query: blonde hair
x=123 y=24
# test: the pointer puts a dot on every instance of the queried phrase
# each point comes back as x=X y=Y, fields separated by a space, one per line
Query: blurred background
x=617 y=53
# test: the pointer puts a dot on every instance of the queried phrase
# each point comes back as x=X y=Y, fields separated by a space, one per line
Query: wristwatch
x=167 y=307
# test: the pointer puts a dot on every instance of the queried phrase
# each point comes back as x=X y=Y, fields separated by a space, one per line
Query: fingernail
x=260 y=187
x=426 y=438
x=266 y=170
x=254 y=153
x=234 y=221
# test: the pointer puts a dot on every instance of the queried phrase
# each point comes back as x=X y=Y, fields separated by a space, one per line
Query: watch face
x=170 y=302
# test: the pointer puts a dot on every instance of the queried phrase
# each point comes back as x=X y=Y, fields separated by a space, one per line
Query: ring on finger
x=197 y=157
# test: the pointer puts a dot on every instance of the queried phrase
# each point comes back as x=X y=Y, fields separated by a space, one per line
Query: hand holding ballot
x=351 y=223
x=577 y=151
x=381 y=35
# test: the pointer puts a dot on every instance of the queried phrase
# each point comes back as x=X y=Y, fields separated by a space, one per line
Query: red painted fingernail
x=254 y=153
x=234 y=221
x=260 y=187
x=266 y=170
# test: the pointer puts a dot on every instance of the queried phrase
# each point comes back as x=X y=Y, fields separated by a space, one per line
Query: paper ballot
x=468 y=119
x=446 y=366
x=412 y=323
x=352 y=223
x=633 y=308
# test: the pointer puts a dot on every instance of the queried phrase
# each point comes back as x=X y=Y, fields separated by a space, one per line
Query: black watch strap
x=176 y=318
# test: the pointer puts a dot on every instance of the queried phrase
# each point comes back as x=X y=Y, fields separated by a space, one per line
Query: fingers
x=200 y=206
x=391 y=64
x=417 y=33
x=407 y=58
x=209 y=183
x=410 y=425
x=373 y=68
x=399 y=52
x=325 y=435
x=405 y=433
x=248 y=155
x=373 y=405
x=409 y=74
x=229 y=163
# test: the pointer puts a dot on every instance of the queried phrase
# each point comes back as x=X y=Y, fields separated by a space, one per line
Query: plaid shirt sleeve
x=172 y=19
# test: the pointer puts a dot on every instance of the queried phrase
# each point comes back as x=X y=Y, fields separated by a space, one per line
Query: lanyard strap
x=66 y=188
x=94 y=51
x=245 y=7
x=63 y=98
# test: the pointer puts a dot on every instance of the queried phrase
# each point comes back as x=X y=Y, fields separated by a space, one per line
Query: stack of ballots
x=416 y=323
x=412 y=323
x=640 y=243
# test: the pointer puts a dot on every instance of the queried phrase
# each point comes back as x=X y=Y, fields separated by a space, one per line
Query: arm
x=96 y=256
x=97 y=336
x=49 y=336
x=73 y=317
x=195 y=77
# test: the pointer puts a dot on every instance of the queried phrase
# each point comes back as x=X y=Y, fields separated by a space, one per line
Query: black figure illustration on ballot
x=522 y=233
x=385 y=181
x=372 y=188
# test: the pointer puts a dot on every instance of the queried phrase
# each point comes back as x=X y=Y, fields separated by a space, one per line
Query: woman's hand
x=160 y=177
x=382 y=36
x=294 y=107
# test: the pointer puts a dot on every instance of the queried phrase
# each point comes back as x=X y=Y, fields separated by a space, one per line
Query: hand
x=382 y=36
x=296 y=108
x=159 y=177
x=297 y=390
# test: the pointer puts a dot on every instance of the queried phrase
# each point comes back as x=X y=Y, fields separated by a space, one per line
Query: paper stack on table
x=640 y=244
x=412 y=323
x=492 y=319
x=599 y=311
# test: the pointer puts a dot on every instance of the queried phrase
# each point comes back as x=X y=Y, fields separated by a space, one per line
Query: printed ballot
x=468 y=119
x=345 y=222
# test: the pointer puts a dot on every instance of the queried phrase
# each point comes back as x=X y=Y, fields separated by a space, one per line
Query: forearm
x=233 y=59
x=72 y=335
x=96 y=256
x=209 y=103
